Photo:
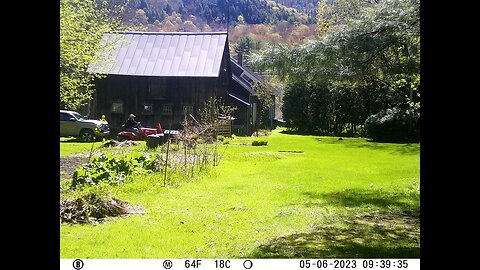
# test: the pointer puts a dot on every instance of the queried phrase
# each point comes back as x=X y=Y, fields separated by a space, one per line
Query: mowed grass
x=70 y=146
x=299 y=196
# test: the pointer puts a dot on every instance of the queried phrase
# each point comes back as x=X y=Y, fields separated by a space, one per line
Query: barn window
x=167 y=109
x=187 y=109
x=117 y=107
x=147 y=109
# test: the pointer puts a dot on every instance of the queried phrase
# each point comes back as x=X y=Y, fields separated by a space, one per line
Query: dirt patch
x=291 y=151
x=69 y=164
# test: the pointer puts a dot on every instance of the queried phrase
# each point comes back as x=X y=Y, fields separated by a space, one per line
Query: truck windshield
x=78 y=116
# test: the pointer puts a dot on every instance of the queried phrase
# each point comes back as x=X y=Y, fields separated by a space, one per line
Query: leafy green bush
x=223 y=139
x=113 y=169
x=259 y=143
x=393 y=125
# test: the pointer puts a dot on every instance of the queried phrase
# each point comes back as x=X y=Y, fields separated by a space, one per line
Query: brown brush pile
x=93 y=208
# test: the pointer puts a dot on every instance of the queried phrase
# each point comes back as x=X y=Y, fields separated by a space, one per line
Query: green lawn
x=299 y=196
x=70 y=146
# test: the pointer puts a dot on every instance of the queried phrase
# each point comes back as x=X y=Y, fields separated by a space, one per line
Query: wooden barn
x=243 y=96
x=163 y=76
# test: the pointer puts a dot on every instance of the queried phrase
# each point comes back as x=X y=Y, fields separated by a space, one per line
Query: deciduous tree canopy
x=363 y=63
x=82 y=23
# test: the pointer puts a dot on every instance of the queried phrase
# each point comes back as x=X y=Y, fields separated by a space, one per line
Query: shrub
x=259 y=143
x=223 y=139
x=392 y=125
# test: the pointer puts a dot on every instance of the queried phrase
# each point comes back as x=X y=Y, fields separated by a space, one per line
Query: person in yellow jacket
x=103 y=119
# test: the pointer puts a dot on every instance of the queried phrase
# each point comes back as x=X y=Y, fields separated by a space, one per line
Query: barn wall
x=133 y=93
x=241 y=125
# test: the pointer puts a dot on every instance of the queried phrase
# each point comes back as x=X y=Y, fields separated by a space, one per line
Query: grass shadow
x=378 y=198
x=395 y=140
x=292 y=132
x=303 y=133
x=383 y=224
x=400 y=148
x=71 y=140
x=380 y=235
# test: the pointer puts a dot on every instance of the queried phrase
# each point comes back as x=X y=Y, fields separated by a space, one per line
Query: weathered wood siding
x=166 y=97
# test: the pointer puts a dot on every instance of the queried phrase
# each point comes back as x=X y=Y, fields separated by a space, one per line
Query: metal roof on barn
x=244 y=76
x=161 y=54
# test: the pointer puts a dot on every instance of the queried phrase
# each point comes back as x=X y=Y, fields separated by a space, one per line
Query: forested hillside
x=215 y=11
x=308 y=7
x=263 y=21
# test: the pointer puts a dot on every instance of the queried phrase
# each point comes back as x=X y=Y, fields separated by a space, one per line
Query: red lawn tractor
x=153 y=136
